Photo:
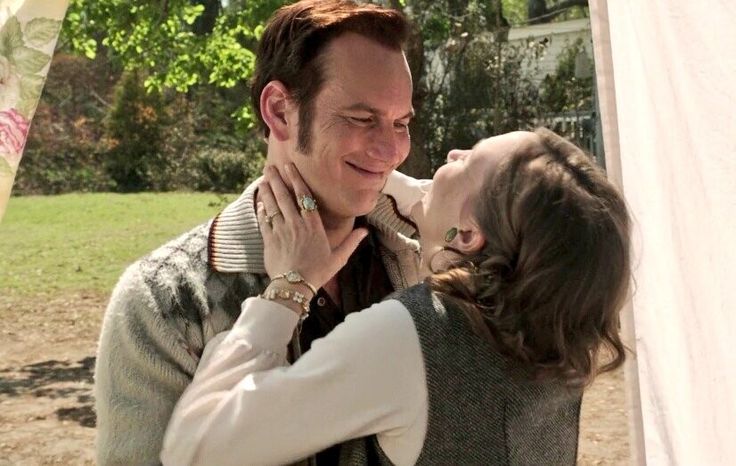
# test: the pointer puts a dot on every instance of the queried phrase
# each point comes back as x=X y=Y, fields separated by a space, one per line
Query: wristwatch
x=294 y=277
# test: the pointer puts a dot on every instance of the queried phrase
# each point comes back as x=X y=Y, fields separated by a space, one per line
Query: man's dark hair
x=292 y=46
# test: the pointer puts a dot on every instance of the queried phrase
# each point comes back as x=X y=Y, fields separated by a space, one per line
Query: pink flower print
x=13 y=133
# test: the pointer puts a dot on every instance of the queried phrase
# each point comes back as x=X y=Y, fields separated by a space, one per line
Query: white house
x=557 y=36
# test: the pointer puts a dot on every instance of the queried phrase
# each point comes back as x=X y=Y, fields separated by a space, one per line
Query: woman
x=526 y=247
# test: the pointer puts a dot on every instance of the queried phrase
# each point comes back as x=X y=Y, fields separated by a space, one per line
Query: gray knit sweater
x=481 y=410
x=168 y=305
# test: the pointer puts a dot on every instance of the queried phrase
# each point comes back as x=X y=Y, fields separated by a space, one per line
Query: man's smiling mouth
x=371 y=173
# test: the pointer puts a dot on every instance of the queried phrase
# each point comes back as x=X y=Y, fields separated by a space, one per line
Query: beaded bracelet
x=288 y=295
x=294 y=277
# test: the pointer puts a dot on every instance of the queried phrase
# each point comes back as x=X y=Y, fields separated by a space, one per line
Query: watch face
x=293 y=277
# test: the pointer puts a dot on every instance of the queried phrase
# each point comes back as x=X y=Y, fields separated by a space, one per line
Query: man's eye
x=361 y=121
x=401 y=126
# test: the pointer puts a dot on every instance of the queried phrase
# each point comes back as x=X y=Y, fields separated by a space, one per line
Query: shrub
x=63 y=152
x=224 y=171
x=133 y=137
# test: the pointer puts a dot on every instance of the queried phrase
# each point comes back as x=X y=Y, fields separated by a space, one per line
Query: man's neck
x=337 y=229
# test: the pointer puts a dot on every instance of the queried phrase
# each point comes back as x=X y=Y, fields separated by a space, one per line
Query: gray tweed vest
x=481 y=412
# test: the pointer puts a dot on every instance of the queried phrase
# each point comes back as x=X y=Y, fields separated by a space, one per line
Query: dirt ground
x=47 y=357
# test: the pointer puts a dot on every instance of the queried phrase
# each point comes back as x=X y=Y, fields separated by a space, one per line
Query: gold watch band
x=294 y=277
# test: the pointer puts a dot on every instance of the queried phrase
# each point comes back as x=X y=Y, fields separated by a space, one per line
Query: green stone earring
x=451 y=234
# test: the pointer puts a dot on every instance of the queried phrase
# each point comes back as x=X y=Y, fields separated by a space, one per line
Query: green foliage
x=74 y=145
x=161 y=40
x=193 y=127
x=80 y=242
x=63 y=152
x=473 y=83
x=565 y=90
x=515 y=11
x=569 y=92
x=134 y=137
x=224 y=170
x=182 y=144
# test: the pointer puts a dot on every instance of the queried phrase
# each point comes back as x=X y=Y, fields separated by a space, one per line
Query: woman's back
x=481 y=411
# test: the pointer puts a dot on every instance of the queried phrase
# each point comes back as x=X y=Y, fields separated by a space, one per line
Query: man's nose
x=385 y=145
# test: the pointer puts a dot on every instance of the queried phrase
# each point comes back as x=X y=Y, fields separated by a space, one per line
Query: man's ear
x=274 y=109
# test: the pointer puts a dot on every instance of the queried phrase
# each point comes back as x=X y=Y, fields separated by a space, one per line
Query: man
x=333 y=93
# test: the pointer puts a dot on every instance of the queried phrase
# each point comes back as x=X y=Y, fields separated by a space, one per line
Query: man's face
x=359 y=132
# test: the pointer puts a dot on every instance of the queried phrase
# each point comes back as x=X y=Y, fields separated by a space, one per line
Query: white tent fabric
x=667 y=86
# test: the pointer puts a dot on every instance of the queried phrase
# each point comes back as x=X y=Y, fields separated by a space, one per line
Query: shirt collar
x=236 y=245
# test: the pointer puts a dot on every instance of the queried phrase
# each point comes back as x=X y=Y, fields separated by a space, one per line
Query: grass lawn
x=76 y=242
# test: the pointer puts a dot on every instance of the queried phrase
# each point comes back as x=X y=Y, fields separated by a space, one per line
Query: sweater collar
x=236 y=244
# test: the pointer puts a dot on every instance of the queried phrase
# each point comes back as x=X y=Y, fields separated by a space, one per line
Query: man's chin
x=367 y=205
x=359 y=207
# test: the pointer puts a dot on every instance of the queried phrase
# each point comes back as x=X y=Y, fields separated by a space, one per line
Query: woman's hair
x=547 y=287
x=291 y=49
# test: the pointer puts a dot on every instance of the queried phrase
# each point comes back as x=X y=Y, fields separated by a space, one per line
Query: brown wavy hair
x=292 y=45
x=547 y=288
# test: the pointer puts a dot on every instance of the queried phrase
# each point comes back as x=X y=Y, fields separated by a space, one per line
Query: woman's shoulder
x=390 y=315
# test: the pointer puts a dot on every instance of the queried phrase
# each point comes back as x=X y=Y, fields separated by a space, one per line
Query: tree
x=468 y=81
x=538 y=11
x=134 y=137
x=177 y=43
x=471 y=83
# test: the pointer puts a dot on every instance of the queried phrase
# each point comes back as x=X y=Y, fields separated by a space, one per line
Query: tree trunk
x=418 y=164
x=206 y=21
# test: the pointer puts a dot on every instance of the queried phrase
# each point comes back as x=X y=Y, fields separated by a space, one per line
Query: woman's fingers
x=297 y=240
x=264 y=223
x=302 y=190
x=272 y=211
x=284 y=198
x=297 y=182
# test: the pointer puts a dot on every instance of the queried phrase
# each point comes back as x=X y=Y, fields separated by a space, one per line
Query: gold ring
x=307 y=203
x=269 y=218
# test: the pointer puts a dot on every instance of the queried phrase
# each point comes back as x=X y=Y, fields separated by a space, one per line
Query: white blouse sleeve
x=246 y=406
x=405 y=190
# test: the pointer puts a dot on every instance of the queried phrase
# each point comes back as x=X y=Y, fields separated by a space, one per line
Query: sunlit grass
x=84 y=241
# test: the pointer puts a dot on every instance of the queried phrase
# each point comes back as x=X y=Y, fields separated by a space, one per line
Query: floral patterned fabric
x=28 y=33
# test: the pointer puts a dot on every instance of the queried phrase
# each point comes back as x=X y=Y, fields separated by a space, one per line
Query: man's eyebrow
x=362 y=107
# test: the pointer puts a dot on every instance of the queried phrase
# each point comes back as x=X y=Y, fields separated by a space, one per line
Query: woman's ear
x=274 y=109
x=469 y=240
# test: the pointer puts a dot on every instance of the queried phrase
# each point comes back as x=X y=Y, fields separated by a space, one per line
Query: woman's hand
x=295 y=239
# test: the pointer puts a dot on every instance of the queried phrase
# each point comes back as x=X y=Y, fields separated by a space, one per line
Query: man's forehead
x=341 y=96
x=374 y=76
